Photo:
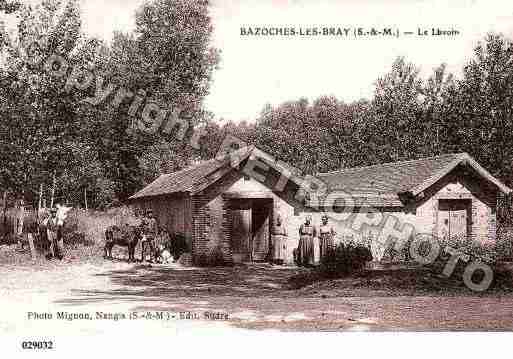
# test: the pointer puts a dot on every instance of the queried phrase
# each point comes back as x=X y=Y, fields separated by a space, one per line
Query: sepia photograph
x=201 y=177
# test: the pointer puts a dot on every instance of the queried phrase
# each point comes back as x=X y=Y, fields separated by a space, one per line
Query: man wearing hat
x=52 y=233
x=149 y=231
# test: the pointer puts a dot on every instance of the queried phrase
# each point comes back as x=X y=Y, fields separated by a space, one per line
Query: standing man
x=53 y=235
x=149 y=230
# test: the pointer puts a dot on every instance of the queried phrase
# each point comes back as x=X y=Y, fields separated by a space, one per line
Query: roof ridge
x=189 y=167
x=459 y=154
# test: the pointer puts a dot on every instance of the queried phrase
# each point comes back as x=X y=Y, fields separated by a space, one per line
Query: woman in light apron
x=279 y=240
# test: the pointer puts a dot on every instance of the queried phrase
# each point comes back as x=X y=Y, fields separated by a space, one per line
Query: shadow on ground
x=256 y=297
x=154 y=282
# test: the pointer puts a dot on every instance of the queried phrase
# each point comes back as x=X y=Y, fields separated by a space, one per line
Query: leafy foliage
x=48 y=130
x=94 y=152
x=345 y=259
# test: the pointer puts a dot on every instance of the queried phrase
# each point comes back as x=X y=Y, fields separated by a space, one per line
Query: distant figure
x=149 y=232
x=307 y=233
x=279 y=241
x=54 y=235
x=326 y=237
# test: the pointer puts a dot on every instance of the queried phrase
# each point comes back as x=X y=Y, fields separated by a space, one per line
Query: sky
x=257 y=70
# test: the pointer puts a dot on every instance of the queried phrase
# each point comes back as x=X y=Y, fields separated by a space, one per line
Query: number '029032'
x=37 y=345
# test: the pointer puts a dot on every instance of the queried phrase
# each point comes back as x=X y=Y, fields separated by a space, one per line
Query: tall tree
x=479 y=112
x=396 y=110
x=170 y=58
x=40 y=123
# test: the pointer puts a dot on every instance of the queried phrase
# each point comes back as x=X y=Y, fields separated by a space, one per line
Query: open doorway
x=250 y=229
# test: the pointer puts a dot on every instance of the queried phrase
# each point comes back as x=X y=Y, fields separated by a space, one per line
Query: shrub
x=214 y=259
x=91 y=225
x=178 y=245
x=486 y=252
x=504 y=246
x=345 y=259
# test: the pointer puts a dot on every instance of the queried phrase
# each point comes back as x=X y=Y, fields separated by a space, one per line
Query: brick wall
x=210 y=221
x=211 y=217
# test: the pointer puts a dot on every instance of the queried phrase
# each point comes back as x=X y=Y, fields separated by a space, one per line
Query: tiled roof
x=377 y=186
x=388 y=178
x=380 y=185
x=184 y=181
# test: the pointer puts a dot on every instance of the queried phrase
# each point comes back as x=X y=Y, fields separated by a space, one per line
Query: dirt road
x=241 y=297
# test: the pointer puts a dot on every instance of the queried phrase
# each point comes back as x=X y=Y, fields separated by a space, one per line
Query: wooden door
x=261 y=230
x=454 y=219
x=241 y=231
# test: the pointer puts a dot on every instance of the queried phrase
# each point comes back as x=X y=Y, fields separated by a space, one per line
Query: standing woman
x=326 y=237
x=279 y=238
x=306 y=242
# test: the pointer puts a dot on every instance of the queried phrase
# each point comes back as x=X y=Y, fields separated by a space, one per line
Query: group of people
x=153 y=239
x=312 y=241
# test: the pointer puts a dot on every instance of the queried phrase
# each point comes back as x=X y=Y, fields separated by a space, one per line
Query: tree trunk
x=4 y=214
x=40 y=201
x=53 y=190
x=39 y=204
x=18 y=221
x=21 y=218
x=85 y=198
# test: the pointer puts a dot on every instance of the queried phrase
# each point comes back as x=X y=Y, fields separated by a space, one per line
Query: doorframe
x=252 y=200
x=468 y=202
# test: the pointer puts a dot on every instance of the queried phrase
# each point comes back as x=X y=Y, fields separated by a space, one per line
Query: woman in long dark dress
x=306 y=242
x=326 y=237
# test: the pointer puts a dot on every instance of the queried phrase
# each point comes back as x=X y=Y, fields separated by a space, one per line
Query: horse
x=125 y=236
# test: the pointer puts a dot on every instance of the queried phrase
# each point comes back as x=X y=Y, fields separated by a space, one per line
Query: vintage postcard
x=215 y=176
